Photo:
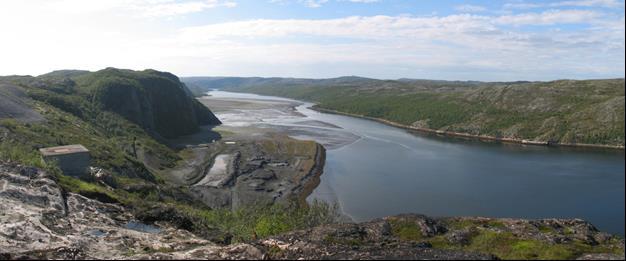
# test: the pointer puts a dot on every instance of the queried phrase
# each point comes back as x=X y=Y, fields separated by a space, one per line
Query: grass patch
x=26 y=156
x=406 y=230
x=466 y=223
x=503 y=244
x=254 y=222
x=546 y=229
x=509 y=247
x=88 y=189
x=506 y=246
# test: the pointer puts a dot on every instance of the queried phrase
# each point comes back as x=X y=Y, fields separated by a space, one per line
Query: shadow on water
x=514 y=147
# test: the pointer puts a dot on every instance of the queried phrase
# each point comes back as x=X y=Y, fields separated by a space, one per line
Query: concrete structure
x=73 y=160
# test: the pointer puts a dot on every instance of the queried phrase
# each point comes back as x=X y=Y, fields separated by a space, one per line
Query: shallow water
x=387 y=170
x=141 y=227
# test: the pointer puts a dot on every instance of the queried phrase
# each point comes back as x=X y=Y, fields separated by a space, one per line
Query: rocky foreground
x=39 y=220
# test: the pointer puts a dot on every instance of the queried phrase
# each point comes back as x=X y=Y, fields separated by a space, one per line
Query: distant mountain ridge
x=199 y=85
x=556 y=112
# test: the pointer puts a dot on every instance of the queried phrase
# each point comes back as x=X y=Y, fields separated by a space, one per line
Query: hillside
x=12 y=105
x=115 y=113
x=564 y=111
x=131 y=122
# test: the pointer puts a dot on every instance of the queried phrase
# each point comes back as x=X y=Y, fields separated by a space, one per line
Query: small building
x=73 y=160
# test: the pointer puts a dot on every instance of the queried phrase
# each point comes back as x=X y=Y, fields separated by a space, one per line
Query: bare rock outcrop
x=39 y=220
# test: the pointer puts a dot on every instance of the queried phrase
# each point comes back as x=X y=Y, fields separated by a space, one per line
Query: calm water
x=390 y=171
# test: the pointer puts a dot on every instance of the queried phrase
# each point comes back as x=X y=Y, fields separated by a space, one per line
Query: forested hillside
x=564 y=111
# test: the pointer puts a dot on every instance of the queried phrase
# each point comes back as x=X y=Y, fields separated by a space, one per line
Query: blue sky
x=389 y=39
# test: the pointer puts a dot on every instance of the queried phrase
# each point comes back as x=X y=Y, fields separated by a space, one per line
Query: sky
x=483 y=40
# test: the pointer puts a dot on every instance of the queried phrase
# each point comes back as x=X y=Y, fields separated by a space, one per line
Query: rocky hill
x=39 y=219
x=114 y=113
x=558 y=112
x=155 y=100
x=258 y=190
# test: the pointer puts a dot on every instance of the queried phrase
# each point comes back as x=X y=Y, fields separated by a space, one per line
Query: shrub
x=257 y=221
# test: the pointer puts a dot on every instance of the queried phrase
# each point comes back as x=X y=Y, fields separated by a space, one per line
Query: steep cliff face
x=122 y=97
x=203 y=114
x=157 y=101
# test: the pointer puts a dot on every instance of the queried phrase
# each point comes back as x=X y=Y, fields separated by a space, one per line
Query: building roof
x=62 y=150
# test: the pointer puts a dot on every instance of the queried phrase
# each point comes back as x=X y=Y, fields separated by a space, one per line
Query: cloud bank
x=471 y=44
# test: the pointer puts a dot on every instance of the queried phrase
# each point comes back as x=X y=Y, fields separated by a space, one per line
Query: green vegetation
x=116 y=114
x=260 y=221
x=565 y=111
x=506 y=246
x=490 y=237
x=406 y=230
x=139 y=96
x=108 y=136
x=464 y=223
x=16 y=153
x=114 y=141
x=119 y=116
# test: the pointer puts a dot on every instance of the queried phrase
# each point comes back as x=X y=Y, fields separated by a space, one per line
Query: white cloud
x=521 y=5
x=42 y=37
x=319 y=3
x=364 y=1
x=570 y=3
x=151 y=8
x=375 y=27
x=456 y=44
x=314 y=3
x=604 y=3
x=550 y=17
x=470 y=8
x=172 y=8
x=366 y=28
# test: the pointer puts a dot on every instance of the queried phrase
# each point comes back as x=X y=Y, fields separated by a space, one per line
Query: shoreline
x=315 y=174
x=470 y=136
